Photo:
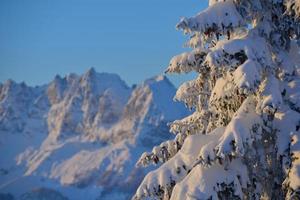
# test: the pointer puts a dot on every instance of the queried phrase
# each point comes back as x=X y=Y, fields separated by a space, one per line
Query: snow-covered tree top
x=245 y=127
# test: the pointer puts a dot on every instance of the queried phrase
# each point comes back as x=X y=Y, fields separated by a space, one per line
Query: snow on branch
x=194 y=92
x=237 y=134
x=291 y=94
x=224 y=101
x=187 y=62
x=195 y=41
x=292 y=181
x=193 y=124
x=232 y=53
x=159 y=183
x=269 y=95
x=286 y=122
x=161 y=153
x=225 y=181
x=247 y=75
x=293 y=7
x=245 y=129
x=220 y=18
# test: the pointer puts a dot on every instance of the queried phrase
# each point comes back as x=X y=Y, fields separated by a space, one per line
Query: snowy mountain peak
x=150 y=105
x=56 y=89
x=99 y=82
x=9 y=82
x=85 y=104
x=162 y=92
x=160 y=77
x=90 y=75
x=9 y=86
x=158 y=80
x=81 y=118
x=91 y=71
x=57 y=77
x=72 y=77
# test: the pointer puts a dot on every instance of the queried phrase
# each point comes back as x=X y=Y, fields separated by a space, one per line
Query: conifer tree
x=242 y=140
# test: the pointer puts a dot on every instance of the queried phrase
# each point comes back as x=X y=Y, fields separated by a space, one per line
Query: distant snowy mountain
x=79 y=137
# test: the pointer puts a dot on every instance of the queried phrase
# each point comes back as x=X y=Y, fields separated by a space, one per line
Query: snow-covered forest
x=242 y=140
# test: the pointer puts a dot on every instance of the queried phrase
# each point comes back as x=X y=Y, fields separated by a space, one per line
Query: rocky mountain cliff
x=79 y=137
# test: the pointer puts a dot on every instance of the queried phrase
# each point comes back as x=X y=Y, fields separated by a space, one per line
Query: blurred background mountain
x=79 y=137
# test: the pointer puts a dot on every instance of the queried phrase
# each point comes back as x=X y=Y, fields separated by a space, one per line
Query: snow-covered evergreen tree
x=242 y=140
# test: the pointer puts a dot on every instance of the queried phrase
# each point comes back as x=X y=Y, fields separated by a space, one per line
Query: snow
x=254 y=47
x=241 y=141
x=294 y=174
x=293 y=6
x=206 y=187
x=222 y=88
x=85 y=136
x=293 y=93
x=85 y=165
x=28 y=184
x=186 y=62
x=285 y=122
x=83 y=104
x=188 y=93
x=237 y=133
x=212 y=2
x=164 y=88
x=222 y=15
x=247 y=75
x=270 y=93
x=199 y=120
x=177 y=167
x=247 y=91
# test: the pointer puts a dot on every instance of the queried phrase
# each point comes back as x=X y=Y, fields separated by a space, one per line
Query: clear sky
x=134 y=38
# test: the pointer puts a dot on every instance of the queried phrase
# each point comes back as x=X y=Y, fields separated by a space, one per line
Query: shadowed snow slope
x=79 y=137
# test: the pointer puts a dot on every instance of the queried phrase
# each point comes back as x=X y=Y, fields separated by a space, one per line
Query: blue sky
x=134 y=38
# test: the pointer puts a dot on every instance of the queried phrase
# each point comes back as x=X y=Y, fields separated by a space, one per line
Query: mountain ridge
x=82 y=131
